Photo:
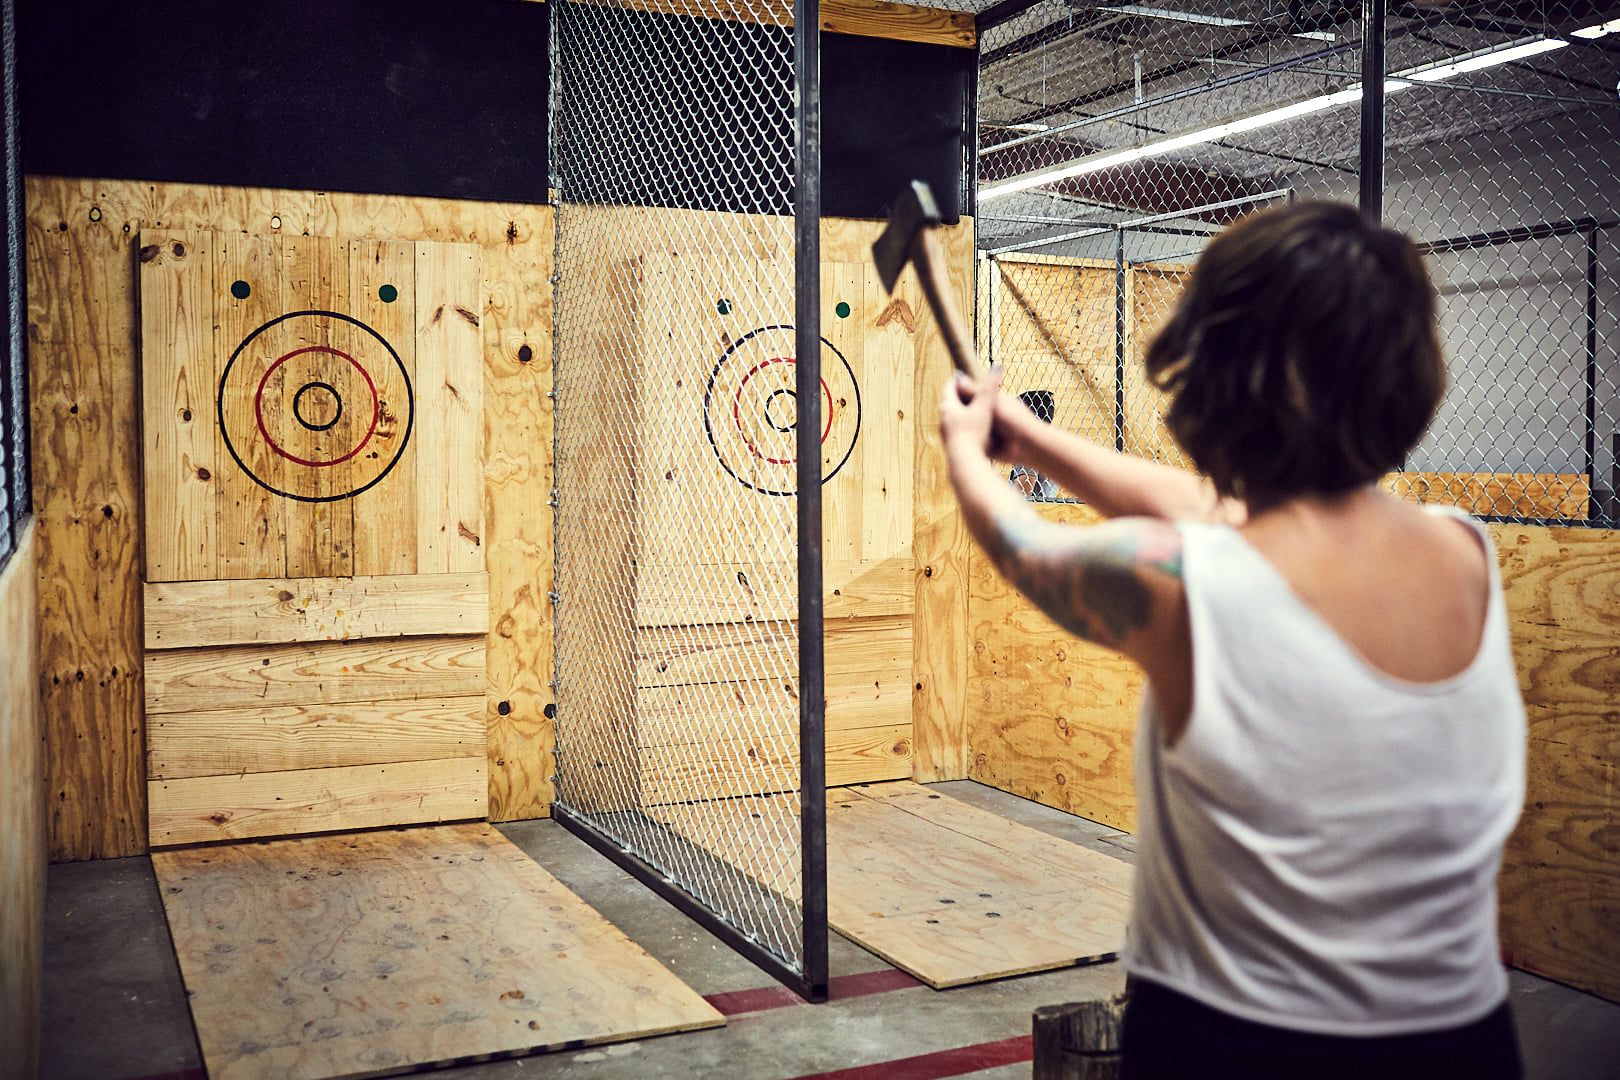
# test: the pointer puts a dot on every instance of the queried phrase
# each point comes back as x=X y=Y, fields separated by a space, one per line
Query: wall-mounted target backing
x=316 y=406
x=750 y=410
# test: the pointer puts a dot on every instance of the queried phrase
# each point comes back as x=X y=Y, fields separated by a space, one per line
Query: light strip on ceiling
x=1173 y=16
x=1396 y=82
x=1490 y=58
x=1600 y=30
x=1111 y=159
x=1144 y=12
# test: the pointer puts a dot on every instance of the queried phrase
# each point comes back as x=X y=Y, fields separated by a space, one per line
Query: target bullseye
x=315 y=406
x=751 y=410
x=331 y=402
x=773 y=410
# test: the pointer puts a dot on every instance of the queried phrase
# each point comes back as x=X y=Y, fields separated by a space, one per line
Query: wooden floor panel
x=950 y=893
x=954 y=894
x=385 y=952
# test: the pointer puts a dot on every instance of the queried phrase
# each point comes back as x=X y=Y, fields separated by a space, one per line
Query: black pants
x=1169 y=1036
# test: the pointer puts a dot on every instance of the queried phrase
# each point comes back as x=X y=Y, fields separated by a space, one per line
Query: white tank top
x=1320 y=849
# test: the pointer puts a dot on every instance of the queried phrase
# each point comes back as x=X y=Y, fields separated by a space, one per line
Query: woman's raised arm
x=1117 y=485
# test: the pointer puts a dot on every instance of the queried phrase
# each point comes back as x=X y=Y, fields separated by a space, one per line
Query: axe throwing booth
x=760 y=574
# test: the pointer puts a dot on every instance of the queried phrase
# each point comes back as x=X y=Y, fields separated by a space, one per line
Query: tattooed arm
x=1113 y=584
x=1117 y=584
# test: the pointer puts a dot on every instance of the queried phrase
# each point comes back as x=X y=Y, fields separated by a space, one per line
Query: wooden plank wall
x=669 y=292
x=666 y=293
x=22 y=817
x=311 y=478
x=83 y=340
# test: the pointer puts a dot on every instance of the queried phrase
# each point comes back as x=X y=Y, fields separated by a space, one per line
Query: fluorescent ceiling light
x=1600 y=30
x=1396 y=82
x=1446 y=69
x=1111 y=158
x=1145 y=12
x=1174 y=16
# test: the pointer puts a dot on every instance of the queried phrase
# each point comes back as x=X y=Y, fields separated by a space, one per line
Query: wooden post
x=1080 y=1040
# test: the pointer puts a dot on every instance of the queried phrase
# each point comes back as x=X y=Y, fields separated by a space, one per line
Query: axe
x=909 y=237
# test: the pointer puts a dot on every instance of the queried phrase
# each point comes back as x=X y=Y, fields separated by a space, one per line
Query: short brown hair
x=1303 y=357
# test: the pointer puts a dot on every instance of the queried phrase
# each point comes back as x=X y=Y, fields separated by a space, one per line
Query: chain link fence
x=14 y=487
x=1114 y=140
x=677 y=646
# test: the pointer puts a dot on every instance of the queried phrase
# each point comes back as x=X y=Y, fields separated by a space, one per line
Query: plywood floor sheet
x=946 y=891
x=385 y=952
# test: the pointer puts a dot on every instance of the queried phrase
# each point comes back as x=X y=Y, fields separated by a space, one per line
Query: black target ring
x=770 y=410
x=298 y=405
x=399 y=451
x=709 y=407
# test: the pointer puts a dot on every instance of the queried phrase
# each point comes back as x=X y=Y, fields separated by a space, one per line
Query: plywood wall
x=690 y=558
x=1560 y=883
x=1052 y=717
x=83 y=254
x=316 y=602
x=22 y=818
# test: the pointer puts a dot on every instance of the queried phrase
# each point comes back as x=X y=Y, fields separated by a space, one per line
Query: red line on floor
x=870 y=982
x=838 y=989
x=746 y=1001
x=941 y=1063
x=183 y=1074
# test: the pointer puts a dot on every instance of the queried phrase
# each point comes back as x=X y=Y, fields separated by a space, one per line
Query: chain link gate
x=1115 y=140
x=688 y=629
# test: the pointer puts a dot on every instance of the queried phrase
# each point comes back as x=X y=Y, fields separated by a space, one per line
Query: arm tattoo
x=1088 y=580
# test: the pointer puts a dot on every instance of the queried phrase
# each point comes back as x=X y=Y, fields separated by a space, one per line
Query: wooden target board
x=696 y=404
x=312 y=406
x=316 y=603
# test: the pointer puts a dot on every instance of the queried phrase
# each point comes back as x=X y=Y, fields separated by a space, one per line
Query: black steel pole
x=1372 y=109
x=1591 y=368
x=807 y=385
x=1119 y=340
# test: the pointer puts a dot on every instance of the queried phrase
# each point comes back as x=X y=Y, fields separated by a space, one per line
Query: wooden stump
x=1080 y=1040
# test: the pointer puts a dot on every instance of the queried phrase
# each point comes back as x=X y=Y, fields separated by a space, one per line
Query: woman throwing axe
x=1331 y=748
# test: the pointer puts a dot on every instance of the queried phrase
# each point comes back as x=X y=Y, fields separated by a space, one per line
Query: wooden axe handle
x=929 y=259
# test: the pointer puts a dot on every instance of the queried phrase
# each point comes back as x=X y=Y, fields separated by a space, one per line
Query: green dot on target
x=388 y=294
x=240 y=289
x=723 y=307
x=842 y=310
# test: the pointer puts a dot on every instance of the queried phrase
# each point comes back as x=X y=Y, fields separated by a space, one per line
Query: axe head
x=914 y=211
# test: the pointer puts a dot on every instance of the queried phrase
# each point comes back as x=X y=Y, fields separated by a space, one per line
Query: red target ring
x=264 y=430
x=736 y=410
x=746 y=417
x=291 y=405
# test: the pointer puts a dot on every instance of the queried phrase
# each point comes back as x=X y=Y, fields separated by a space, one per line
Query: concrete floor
x=115 y=1008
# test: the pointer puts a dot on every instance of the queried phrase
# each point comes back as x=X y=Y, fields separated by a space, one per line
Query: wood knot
x=898 y=309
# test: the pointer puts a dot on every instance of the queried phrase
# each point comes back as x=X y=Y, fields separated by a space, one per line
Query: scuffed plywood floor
x=946 y=891
x=384 y=952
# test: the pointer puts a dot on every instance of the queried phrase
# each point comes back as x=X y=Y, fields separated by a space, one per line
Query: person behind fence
x=1027 y=480
x=1331 y=747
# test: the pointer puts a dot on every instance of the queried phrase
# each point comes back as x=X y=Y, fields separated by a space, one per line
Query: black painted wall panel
x=417 y=97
